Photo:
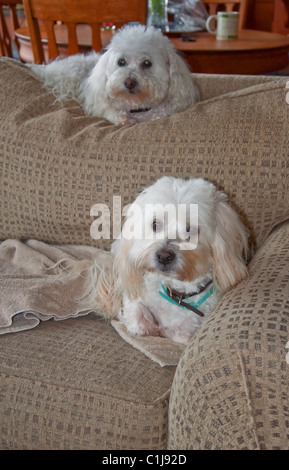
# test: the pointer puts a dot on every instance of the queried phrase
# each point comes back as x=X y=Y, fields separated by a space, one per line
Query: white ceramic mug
x=227 y=24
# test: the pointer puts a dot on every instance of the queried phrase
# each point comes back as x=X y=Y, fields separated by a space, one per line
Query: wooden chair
x=74 y=12
x=228 y=5
x=281 y=17
x=6 y=33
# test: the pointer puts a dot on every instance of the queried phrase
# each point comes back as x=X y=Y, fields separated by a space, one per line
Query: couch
x=76 y=384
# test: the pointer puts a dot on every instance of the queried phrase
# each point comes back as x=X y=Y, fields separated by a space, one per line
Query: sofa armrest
x=231 y=387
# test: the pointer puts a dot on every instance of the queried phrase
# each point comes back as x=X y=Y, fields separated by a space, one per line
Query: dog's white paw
x=126 y=119
x=183 y=332
x=177 y=336
x=147 y=324
x=139 y=320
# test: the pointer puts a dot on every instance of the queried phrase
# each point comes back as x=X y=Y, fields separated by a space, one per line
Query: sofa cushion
x=77 y=385
x=55 y=163
x=231 y=385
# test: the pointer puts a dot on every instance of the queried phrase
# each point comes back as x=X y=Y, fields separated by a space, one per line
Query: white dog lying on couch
x=140 y=77
x=170 y=265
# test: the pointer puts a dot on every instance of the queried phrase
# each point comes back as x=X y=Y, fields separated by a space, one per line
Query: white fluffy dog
x=140 y=77
x=172 y=261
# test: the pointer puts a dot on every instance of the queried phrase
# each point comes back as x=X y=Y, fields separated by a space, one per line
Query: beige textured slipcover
x=231 y=386
x=76 y=383
x=38 y=283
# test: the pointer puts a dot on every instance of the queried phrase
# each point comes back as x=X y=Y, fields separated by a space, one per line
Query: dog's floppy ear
x=128 y=279
x=93 y=88
x=230 y=246
x=182 y=88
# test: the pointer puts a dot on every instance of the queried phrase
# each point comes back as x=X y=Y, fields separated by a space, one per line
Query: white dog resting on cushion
x=171 y=263
x=140 y=77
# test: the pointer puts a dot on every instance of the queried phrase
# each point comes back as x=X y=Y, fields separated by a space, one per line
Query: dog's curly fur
x=140 y=77
x=173 y=253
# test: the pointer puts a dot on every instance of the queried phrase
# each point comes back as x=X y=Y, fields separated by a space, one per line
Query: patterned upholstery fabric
x=76 y=161
x=76 y=384
x=230 y=388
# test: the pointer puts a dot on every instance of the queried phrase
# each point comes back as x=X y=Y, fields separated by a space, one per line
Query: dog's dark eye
x=157 y=225
x=192 y=229
x=146 y=64
x=121 y=62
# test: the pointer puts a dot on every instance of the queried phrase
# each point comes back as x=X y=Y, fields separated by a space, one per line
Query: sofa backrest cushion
x=56 y=163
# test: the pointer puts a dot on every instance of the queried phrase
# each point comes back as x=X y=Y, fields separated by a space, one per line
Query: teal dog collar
x=178 y=298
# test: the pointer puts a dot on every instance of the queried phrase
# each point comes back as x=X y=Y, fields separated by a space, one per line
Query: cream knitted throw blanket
x=31 y=291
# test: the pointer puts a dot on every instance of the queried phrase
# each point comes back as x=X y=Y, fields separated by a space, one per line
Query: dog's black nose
x=165 y=256
x=130 y=83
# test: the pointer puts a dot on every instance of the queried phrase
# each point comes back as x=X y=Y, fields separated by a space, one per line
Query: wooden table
x=254 y=52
